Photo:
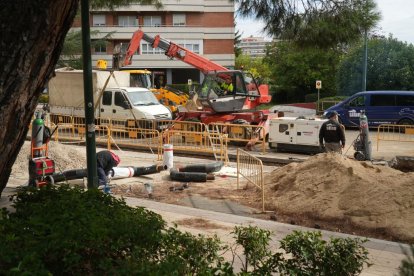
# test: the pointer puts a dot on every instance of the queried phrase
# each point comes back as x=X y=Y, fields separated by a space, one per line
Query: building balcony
x=183 y=6
x=161 y=61
x=167 y=32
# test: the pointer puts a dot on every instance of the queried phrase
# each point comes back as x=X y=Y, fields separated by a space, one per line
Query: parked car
x=381 y=107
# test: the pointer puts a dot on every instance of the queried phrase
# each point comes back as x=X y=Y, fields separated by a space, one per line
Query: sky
x=397 y=17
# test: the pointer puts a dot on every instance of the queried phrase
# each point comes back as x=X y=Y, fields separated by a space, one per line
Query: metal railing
x=187 y=136
x=137 y=138
x=240 y=134
x=202 y=142
x=397 y=133
x=250 y=168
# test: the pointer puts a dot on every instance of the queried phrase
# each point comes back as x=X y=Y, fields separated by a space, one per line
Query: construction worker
x=105 y=161
x=332 y=134
x=227 y=86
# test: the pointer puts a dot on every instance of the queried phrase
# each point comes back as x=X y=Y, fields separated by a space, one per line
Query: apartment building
x=205 y=27
x=253 y=46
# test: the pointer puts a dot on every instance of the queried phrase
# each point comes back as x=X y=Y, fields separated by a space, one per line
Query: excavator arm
x=172 y=50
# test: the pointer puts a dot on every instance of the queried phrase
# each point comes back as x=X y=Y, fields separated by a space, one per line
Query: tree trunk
x=31 y=39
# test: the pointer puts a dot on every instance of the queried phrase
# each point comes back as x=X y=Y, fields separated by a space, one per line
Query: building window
x=127 y=20
x=146 y=49
x=152 y=21
x=179 y=19
x=100 y=48
x=191 y=46
x=98 y=20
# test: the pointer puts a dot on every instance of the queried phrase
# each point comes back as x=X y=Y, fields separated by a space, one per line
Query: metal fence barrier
x=397 y=133
x=137 y=138
x=76 y=133
x=203 y=142
x=240 y=134
x=250 y=168
x=152 y=134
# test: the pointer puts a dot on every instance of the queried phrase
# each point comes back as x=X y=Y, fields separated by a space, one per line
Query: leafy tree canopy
x=323 y=23
x=390 y=66
x=295 y=69
x=256 y=66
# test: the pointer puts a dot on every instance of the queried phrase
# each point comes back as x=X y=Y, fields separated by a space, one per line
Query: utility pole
x=365 y=61
x=88 y=95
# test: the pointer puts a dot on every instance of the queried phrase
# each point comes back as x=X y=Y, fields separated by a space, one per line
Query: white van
x=119 y=103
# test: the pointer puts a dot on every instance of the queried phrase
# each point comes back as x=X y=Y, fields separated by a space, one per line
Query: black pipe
x=206 y=168
x=149 y=170
x=190 y=176
x=67 y=175
x=81 y=173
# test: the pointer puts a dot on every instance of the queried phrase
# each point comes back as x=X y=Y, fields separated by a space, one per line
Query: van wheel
x=406 y=122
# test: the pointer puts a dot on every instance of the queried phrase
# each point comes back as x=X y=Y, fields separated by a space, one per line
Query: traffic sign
x=190 y=82
x=318 y=84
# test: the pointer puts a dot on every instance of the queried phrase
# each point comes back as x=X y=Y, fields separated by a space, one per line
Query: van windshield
x=139 y=98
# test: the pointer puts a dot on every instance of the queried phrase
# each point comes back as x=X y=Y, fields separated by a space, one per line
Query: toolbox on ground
x=41 y=166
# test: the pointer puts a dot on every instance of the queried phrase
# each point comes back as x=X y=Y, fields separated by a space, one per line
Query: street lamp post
x=364 y=63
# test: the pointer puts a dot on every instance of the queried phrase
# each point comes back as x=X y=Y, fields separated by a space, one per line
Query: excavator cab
x=227 y=91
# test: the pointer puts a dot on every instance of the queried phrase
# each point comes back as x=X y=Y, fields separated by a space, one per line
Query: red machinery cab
x=231 y=91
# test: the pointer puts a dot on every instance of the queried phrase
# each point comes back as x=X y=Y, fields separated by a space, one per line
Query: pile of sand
x=330 y=186
x=66 y=158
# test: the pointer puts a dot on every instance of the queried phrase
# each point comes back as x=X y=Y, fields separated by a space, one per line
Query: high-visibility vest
x=227 y=86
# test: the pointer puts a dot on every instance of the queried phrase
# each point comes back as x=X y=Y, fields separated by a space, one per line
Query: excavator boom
x=222 y=91
x=172 y=50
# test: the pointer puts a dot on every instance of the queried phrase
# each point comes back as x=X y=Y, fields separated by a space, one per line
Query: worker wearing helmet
x=332 y=134
x=105 y=161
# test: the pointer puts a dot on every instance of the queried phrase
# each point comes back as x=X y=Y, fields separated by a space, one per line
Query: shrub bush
x=68 y=231
x=307 y=253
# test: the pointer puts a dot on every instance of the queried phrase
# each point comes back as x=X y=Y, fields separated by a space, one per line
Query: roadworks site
x=325 y=191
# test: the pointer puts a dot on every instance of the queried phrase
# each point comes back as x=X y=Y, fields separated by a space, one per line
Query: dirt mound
x=332 y=187
x=66 y=158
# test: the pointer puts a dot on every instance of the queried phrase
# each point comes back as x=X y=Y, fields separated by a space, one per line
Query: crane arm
x=172 y=50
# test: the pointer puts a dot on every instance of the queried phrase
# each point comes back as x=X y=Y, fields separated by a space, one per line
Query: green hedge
x=68 y=231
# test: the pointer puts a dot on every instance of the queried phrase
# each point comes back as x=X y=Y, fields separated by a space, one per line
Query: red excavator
x=229 y=96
